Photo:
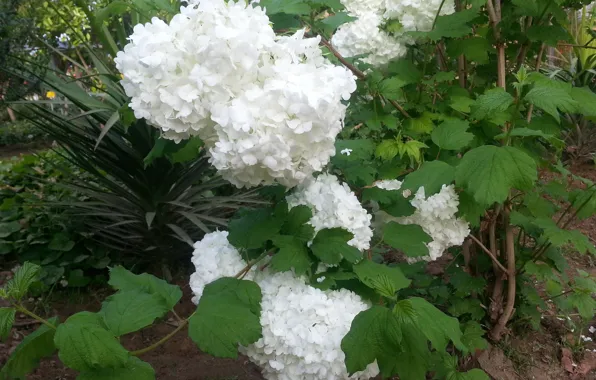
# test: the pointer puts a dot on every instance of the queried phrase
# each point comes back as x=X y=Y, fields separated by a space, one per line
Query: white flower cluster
x=268 y=108
x=333 y=205
x=436 y=216
x=302 y=326
x=365 y=36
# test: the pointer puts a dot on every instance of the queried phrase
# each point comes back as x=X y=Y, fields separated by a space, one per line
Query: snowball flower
x=417 y=15
x=333 y=205
x=359 y=7
x=364 y=37
x=268 y=108
x=302 y=326
x=436 y=215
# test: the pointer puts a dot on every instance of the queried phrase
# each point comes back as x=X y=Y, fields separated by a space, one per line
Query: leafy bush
x=20 y=132
x=33 y=229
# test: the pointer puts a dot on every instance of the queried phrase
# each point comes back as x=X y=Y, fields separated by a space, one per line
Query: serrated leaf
x=471 y=306
x=452 y=25
x=361 y=149
x=412 y=148
x=6 y=229
x=23 y=278
x=469 y=209
x=552 y=34
x=461 y=104
x=227 y=316
x=559 y=237
x=391 y=87
x=29 y=352
x=387 y=149
x=85 y=345
x=135 y=369
x=331 y=246
x=452 y=134
x=405 y=69
x=489 y=172
x=6 y=320
x=129 y=311
x=432 y=175
x=539 y=206
x=527 y=132
x=61 y=242
x=371 y=274
x=491 y=102
x=585 y=204
x=334 y=21
x=420 y=125
x=292 y=254
x=550 y=97
x=586 y=100
x=410 y=239
x=124 y=280
x=473 y=337
x=375 y=334
x=475 y=49
x=584 y=303
x=296 y=223
x=253 y=229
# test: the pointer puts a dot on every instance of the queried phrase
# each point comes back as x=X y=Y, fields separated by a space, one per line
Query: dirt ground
x=525 y=354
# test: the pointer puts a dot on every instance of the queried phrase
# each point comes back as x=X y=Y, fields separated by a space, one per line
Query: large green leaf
x=29 y=352
x=134 y=369
x=586 y=100
x=492 y=101
x=296 y=223
x=253 y=229
x=410 y=239
x=8 y=228
x=129 y=311
x=375 y=334
x=6 y=320
x=550 y=96
x=227 y=315
x=331 y=245
x=85 y=345
x=452 y=134
x=124 y=280
x=451 y=25
x=293 y=7
x=432 y=175
x=490 y=172
x=378 y=276
x=475 y=49
x=292 y=254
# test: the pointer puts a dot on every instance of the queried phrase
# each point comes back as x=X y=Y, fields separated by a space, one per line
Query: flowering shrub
x=440 y=152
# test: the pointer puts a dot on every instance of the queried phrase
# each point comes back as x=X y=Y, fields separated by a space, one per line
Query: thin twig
x=347 y=64
x=488 y=252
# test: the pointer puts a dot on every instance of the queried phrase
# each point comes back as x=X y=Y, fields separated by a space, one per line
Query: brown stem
x=461 y=71
x=494 y=19
x=498 y=330
x=501 y=65
x=489 y=253
x=466 y=251
x=344 y=62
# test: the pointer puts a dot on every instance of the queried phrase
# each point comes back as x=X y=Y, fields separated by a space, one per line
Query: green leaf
x=421 y=125
x=559 y=237
x=473 y=337
x=190 y=151
x=527 y=132
x=333 y=22
x=432 y=175
x=437 y=326
x=391 y=201
x=8 y=228
x=134 y=369
x=491 y=102
x=361 y=149
x=552 y=35
x=539 y=206
x=469 y=209
x=124 y=280
x=585 y=204
x=6 y=321
x=391 y=87
x=461 y=104
x=375 y=334
x=413 y=149
x=296 y=223
x=584 y=303
x=85 y=345
x=29 y=352
x=405 y=69
x=586 y=100
x=23 y=278
x=372 y=274
x=292 y=7
x=77 y=279
x=331 y=245
x=129 y=311
x=387 y=149
x=489 y=172
x=452 y=134
x=551 y=97
x=475 y=49
x=61 y=242
x=292 y=254
x=112 y=9
x=253 y=229
x=452 y=25
x=471 y=306
x=227 y=315
x=410 y=239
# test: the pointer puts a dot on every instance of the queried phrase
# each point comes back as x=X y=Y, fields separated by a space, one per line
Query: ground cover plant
x=383 y=135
